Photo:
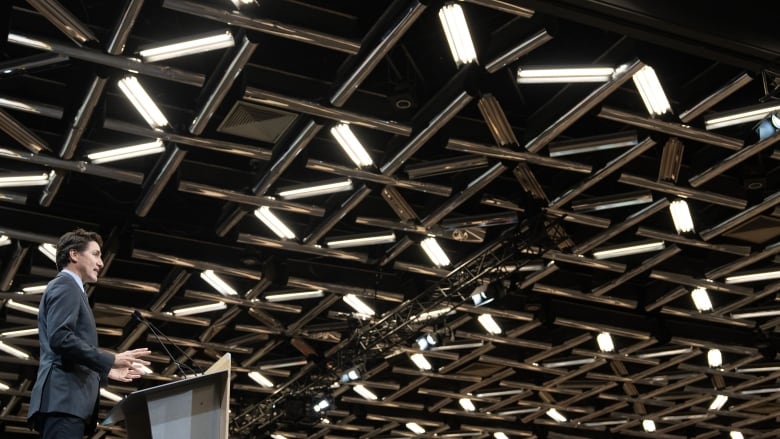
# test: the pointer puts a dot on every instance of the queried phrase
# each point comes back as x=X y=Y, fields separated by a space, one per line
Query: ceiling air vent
x=256 y=122
x=759 y=230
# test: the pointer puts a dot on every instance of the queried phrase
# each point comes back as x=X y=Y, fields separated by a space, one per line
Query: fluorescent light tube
x=111 y=396
x=260 y=379
x=274 y=223
x=740 y=115
x=748 y=314
x=19 y=333
x=753 y=277
x=681 y=215
x=628 y=249
x=651 y=91
x=24 y=180
x=760 y=391
x=126 y=152
x=415 y=427
x=197 y=309
x=358 y=305
x=11 y=350
x=28 y=42
x=612 y=201
x=217 y=283
x=714 y=358
x=284 y=363
x=299 y=295
x=604 y=340
x=719 y=402
x=4 y=386
x=34 y=289
x=4 y=240
x=701 y=299
x=361 y=240
x=273 y=435
x=648 y=425
x=490 y=325
x=143 y=103
x=568 y=363
x=467 y=404
x=187 y=46
x=351 y=145
x=500 y=435
x=456 y=30
x=736 y=435
x=546 y=75
x=49 y=250
x=592 y=144
x=665 y=353
x=12 y=304
x=758 y=369
x=435 y=252
x=313 y=190
x=556 y=415
x=365 y=392
x=421 y=362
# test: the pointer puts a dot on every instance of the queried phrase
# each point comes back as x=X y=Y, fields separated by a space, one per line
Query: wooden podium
x=194 y=408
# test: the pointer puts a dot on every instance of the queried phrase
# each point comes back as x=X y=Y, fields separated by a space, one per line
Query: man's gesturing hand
x=126 y=359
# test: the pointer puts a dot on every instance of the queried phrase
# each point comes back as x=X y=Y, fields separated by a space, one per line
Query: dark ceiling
x=512 y=214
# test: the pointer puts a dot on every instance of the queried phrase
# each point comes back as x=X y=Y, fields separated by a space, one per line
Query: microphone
x=157 y=333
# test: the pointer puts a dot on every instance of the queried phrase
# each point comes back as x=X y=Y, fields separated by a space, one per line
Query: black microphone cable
x=157 y=333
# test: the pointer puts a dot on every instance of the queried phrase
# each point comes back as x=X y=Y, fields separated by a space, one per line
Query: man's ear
x=72 y=255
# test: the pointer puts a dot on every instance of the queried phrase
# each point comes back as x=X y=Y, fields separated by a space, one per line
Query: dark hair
x=75 y=240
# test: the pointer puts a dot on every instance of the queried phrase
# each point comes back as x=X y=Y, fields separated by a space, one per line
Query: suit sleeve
x=65 y=338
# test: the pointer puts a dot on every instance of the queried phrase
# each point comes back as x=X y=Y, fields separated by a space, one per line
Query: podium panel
x=194 y=408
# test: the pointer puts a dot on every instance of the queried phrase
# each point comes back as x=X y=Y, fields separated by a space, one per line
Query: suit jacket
x=71 y=367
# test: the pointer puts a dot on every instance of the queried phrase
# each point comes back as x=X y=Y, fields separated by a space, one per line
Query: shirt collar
x=76 y=278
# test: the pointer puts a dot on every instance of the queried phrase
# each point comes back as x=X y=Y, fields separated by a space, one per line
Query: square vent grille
x=256 y=122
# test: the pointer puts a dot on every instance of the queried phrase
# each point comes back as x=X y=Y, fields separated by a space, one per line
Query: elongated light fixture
x=714 y=358
x=24 y=180
x=453 y=22
x=648 y=425
x=298 y=295
x=4 y=386
x=217 y=283
x=126 y=152
x=11 y=350
x=48 y=250
x=4 y=240
x=467 y=404
x=752 y=314
x=548 y=75
x=665 y=352
x=365 y=392
x=19 y=333
x=358 y=305
x=351 y=145
x=34 y=289
x=421 y=362
x=111 y=396
x=681 y=215
x=740 y=115
x=187 y=46
x=651 y=91
x=556 y=415
x=719 y=402
x=435 y=252
x=281 y=364
x=753 y=277
x=490 y=325
x=273 y=222
x=604 y=340
x=260 y=379
x=361 y=240
x=143 y=103
x=612 y=201
x=628 y=249
x=315 y=189
x=21 y=307
x=415 y=428
x=734 y=434
x=592 y=144
x=701 y=299
x=500 y=435
x=568 y=363
x=198 y=309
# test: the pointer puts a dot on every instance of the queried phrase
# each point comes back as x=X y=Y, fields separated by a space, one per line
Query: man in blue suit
x=71 y=366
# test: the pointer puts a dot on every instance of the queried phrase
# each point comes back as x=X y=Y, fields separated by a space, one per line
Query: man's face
x=87 y=263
